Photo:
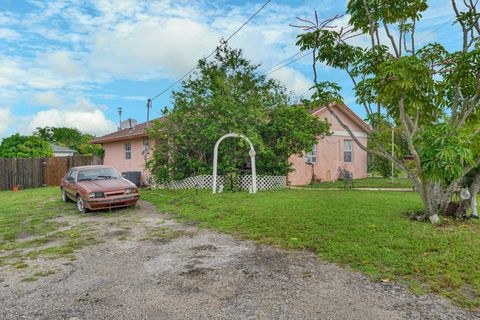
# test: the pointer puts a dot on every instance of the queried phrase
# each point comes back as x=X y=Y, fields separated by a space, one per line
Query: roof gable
x=346 y=112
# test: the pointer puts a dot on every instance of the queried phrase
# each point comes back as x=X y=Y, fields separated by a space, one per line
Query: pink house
x=334 y=152
x=126 y=149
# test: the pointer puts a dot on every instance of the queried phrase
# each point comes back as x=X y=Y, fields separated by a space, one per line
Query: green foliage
x=384 y=167
x=382 y=138
x=384 y=11
x=444 y=154
x=71 y=138
x=429 y=94
x=18 y=146
x=229 y=95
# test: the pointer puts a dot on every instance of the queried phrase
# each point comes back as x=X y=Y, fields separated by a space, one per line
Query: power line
x=272 y=70
x=281 y=64
x=283 y=61
x=436 y=29
x=213 y=52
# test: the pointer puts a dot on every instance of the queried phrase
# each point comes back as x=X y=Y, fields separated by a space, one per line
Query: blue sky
x=74 y=62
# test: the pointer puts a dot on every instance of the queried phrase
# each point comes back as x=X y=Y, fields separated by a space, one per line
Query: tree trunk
x=472 y=203
x=430 y=201
x=474 y=206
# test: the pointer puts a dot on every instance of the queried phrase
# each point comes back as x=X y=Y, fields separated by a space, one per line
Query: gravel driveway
x=191 y=273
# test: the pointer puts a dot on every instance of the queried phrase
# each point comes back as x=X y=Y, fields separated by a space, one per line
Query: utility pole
x=119 y=118
x=393 y=150
x=149 y=106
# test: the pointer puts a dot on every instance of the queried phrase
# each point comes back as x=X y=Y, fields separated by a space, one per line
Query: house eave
x=129 y=137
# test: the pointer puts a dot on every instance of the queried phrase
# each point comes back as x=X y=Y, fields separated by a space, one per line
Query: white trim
x=311 y=155
x=321 y=109
x=351 y=150
x=251 y=153
x=125 y=151
x=345 y=134
x=350 y=114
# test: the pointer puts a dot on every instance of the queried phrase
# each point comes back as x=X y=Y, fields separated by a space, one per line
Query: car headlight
x=96 y=195
x=131 y=190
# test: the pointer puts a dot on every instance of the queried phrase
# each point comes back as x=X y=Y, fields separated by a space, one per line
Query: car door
x=70 y=185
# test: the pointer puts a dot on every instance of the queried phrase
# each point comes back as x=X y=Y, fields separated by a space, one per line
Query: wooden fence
x=34 y=173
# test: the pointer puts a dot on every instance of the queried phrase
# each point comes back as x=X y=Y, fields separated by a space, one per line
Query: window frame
x=345 y=151
x=69 y=175
x=312 y=154
x=127 y=151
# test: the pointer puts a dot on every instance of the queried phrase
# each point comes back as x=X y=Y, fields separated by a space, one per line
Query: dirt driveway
x=147 y=266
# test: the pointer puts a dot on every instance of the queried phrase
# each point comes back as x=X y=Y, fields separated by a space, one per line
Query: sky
x=74 y=62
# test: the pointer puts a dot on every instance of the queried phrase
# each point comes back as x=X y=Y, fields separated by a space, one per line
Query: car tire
x=81 y=205
x=65 y=198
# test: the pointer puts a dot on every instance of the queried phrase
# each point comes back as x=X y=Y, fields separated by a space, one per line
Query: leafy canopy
x=225 y=95
x=419 y=87
x=18 y=146
x=71 y=138
x=430 y=93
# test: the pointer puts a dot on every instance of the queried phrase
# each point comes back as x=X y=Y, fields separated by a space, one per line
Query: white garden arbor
x=252 y=154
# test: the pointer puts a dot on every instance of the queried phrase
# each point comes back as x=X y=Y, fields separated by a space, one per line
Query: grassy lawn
x=368 y=231
x=367 y=183
x=28 y=212
x=28 y=229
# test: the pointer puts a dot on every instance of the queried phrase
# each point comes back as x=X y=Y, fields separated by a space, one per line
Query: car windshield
x=97 y=174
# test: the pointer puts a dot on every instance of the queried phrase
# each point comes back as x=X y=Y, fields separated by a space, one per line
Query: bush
x=384 y=167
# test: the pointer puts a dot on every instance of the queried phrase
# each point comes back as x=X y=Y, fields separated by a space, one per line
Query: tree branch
x=409 y=137
x=370 y=19
x=392 y=40
x=399 y=163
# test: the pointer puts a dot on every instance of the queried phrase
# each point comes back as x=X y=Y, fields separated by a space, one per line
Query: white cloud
x=93 y=121
x=153 y=40
x=5 y=119
x=73 y=48
x=61 y=63
x=144 y=49
x=48 y=98
x=9 y=34
x=294 y=80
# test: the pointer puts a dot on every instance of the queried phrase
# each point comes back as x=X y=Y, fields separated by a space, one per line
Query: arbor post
x=252 y=154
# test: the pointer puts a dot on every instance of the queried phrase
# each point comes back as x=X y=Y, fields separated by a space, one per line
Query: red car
x=98 y=187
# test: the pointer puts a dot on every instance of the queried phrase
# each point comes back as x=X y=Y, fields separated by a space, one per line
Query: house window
x=311 y=156
x=128 y=151
x=347 y=150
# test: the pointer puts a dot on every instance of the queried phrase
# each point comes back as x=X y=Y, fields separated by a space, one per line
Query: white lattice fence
x=263 y=182
x=244 y=183
x=196 y=182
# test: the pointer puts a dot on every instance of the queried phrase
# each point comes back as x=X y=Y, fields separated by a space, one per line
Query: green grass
x=29 y=212
x=27 y=222
x=367 y=183
x=368 y=231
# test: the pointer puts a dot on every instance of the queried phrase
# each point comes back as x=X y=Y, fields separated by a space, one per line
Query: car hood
x=105 y=185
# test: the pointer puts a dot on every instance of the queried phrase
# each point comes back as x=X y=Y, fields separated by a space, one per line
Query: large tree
x=71 y=138
x=225 y=95
x=18 y=146
x=431 y=93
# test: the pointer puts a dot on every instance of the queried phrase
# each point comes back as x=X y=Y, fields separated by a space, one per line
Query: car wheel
x=81 y=205
x=65 y=198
